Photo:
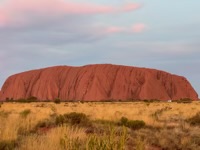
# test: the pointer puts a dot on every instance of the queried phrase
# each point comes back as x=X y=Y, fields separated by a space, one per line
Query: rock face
x=97 y=82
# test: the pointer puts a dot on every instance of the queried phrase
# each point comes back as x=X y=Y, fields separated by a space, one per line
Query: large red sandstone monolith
x=97 y=82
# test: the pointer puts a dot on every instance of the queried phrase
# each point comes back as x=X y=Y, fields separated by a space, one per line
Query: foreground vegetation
x=100 y=126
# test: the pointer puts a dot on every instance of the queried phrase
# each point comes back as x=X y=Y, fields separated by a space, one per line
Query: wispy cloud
x=140 y=27
x=21 y=11
x=136 y=28
x=114 y=29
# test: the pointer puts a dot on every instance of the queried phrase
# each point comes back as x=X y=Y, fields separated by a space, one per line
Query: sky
x=164 y=35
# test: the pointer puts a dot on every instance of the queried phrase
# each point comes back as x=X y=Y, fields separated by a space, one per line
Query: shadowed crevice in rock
x=97 y=82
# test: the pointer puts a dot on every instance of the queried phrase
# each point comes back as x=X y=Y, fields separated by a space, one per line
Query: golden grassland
x=166 y=126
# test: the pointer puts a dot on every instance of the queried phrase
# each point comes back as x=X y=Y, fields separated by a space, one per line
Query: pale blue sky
x=168 y=39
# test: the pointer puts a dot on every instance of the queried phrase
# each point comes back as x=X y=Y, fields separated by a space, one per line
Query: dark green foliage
x=46 y=123
x=25 y=113
x=25 y=100
x=184 y=100
x=32 y=98
x=124 y=121
x=4 y=114
x=71 y=118
x=60 y=120
x=133 y=124
x=76 y=118
x=57 y=101
x=7 y=145
x=195 y=120
x=151 y=100
x=105 y=122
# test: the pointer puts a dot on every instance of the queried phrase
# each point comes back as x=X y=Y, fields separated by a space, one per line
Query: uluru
x=96 y=83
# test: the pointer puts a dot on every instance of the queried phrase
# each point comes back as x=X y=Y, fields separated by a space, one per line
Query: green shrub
x=7 y=145
x=104 y=122
x=151 y=100
x=184 y=100
x=25 y=113
x=29 y=100
x=71 y=118
x=57 y=101
x=46 y=123
x=124 y=121
x=76 y=118
x=60 y=120
x=32 y=98
x=4 y=114
x=133 y=124
x=195 y=120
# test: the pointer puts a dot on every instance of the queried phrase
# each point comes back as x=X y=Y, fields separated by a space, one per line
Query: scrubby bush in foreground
x=195 y=120
x=73 y=118
x=133 y=124
x=25 y=113
x=76 y=118
x=7 y=145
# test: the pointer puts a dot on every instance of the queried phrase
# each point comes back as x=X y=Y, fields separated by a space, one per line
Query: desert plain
x=100 y=126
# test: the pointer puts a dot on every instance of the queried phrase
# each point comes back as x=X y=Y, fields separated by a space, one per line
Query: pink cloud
x=137 y=28
x=140 y=27
x=12 y=10
x=131 y=7
x=2 y=19
x=114 y=29
x=56 y=6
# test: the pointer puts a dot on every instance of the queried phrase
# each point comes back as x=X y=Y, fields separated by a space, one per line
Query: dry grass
x=168 y=117
x=109 y=111
x=52 y=140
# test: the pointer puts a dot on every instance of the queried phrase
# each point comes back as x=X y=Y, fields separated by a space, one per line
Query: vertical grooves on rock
x=88 y=85
x=59 y=82
x=64 y=81
x=113 y=83
x=97 y=82
x=37 y=80
x=76 y=79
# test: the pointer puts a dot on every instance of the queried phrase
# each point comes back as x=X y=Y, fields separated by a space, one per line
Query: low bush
x=104 y=122
x=60 y=120
x=46 y=123
x=151 y=100
x=25 y=100
x=133 y=124
x=32 y=98
x=4 y=114
x=25 y=113
x=184 y=100
x=76 y=118
x=7 y=145
x=57 y=101
x=124 y=121
x=195 y=120
x=70 y=118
